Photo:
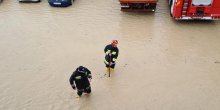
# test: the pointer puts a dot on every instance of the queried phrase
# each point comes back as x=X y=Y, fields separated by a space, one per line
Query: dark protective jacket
x=114 y=53
x=80 y=79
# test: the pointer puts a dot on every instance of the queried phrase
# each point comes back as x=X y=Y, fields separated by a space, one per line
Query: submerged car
x=60 y=3
x=29 y=0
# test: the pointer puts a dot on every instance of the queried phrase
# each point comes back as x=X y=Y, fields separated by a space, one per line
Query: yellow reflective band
x=114 y=59
x=113 y=53
x=107 y=52
x=78 y=77
x=106 y=62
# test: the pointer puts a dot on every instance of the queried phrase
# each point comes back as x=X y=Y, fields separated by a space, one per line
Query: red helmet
x=114 y=42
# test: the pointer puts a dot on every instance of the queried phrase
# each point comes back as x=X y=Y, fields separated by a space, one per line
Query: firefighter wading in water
x=80 y=77
x=111 y=54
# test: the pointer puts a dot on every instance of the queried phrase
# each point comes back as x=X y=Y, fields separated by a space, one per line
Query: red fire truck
x=195 y=9
x=138 y=5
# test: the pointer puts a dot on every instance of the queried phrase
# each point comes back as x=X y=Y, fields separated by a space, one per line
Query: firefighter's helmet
x=114 y=42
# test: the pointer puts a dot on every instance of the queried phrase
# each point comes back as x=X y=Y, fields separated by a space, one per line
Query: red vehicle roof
x=138 y=1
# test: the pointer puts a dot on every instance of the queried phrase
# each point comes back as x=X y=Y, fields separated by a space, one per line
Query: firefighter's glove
x=73 y=86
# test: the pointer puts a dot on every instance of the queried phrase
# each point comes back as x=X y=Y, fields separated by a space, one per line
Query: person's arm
x=71 y=80
x=88 y=73
x=117 y=52
x=115 y=55
x=107 y=50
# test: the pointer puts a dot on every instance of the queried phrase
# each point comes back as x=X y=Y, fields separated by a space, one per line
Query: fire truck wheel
x=171 y=4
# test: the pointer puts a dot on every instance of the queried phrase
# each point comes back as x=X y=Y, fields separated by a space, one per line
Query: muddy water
x=163 y=64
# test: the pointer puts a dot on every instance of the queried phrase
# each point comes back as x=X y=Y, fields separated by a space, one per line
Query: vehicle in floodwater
x=138 y=5
x=195 y=9
x=60 y=3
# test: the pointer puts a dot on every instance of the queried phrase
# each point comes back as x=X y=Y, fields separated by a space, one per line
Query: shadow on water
x=30 y=1
x=139 y=13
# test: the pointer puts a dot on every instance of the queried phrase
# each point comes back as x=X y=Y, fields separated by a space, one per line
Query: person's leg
x=106 y=65
x=113 y=66
x=88 y=90
x=79 y=92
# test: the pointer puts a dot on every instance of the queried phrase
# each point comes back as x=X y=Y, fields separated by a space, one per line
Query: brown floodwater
x=163 y=64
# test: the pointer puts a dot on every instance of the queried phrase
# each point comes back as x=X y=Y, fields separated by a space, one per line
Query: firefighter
x=111 y=54
x=81 y=78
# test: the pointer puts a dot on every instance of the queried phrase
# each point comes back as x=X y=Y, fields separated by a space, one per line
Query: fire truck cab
x=195 y=9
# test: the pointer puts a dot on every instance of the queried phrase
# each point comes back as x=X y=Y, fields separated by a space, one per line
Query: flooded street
x=163 y=64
